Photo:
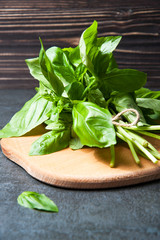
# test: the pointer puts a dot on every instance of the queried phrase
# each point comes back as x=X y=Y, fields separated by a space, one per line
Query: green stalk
x=134 y=154
x=141 y=140
x=136 y=158
x=146 y=152
x=143 y=149
x=148 y=128
x=112 y=150
x=156 y=154
x=153 y=135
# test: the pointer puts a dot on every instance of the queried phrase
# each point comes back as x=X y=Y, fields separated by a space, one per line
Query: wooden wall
x=61 y=23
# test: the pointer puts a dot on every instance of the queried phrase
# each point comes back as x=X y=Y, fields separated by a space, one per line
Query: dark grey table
x=121 y=214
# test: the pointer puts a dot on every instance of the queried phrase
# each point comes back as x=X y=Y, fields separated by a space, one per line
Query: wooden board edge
x=105 y=184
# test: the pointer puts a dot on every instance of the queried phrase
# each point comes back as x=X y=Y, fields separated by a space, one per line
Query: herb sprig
x=79 y=91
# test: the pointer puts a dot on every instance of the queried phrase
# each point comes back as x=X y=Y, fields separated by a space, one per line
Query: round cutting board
x=87 y=168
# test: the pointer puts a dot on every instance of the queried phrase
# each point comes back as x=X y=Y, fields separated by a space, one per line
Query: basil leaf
x=61 y=65
x=35 y=71
x=149 y=103
x=93 y=125
x=125 y=80
x=75 y=90
x=56 y=126
x=73 y=55
x=38 y=201
x=75 y=143
x=96 y=96
x=87 y=45
x=147 y=93
x=48 y=71
x=50 y=142
x=108 y=44
x=32 y=114
x=124 y=101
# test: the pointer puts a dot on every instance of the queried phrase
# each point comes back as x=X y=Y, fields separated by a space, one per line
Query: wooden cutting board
x=87 y=168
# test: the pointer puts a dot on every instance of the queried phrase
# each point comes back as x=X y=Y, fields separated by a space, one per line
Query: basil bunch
x=79 y=90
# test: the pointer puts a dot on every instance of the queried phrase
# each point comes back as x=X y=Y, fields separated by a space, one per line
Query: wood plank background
x=61 y=23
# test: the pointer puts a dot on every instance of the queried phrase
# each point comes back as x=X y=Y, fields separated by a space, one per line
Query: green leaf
x=38 y=201
x=47 y=93
x=124 y=101
x=147 y=93
x=96 y=96
x=48 y=71
x=75 y=143
x=75 y=91
x=125 y=80
x=56 y=126
x=93 y=125
x=149 y=103
x=108 y=44
x=62 y=67
x=73 y=55
x=32 y=114
x=35 y=71
x=87 y=45
x=50 y=142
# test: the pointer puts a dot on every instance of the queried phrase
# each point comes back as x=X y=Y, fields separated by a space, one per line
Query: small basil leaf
x=108 y=44
x=48 y=71
x=35 y=71
x=96 y=96
x=149 y=103
x=38 y=201
x=147 y=93
x=56 y=126
x=127 y=80
x=93 y=125
x=75 y=90
x=61 y=65
x=50 y=142
x=32 y=114
x=73 y=55
x=75 y=143
x=47 y=93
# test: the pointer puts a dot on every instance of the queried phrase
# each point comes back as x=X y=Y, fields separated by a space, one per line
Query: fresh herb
x=80 y=90
x=38 y=201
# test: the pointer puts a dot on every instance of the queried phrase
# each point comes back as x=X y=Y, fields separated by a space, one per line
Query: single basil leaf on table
x=50 y=142
x=38 y=201
x=124 y=80
x=122 y=101
x=93 y=125
x=32 y=114
x=48 y=71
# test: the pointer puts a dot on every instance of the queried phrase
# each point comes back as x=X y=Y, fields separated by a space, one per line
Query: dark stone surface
x=114 y=214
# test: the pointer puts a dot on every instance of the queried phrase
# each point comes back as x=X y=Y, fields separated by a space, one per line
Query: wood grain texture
x=87 y=168
x=61 y=23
